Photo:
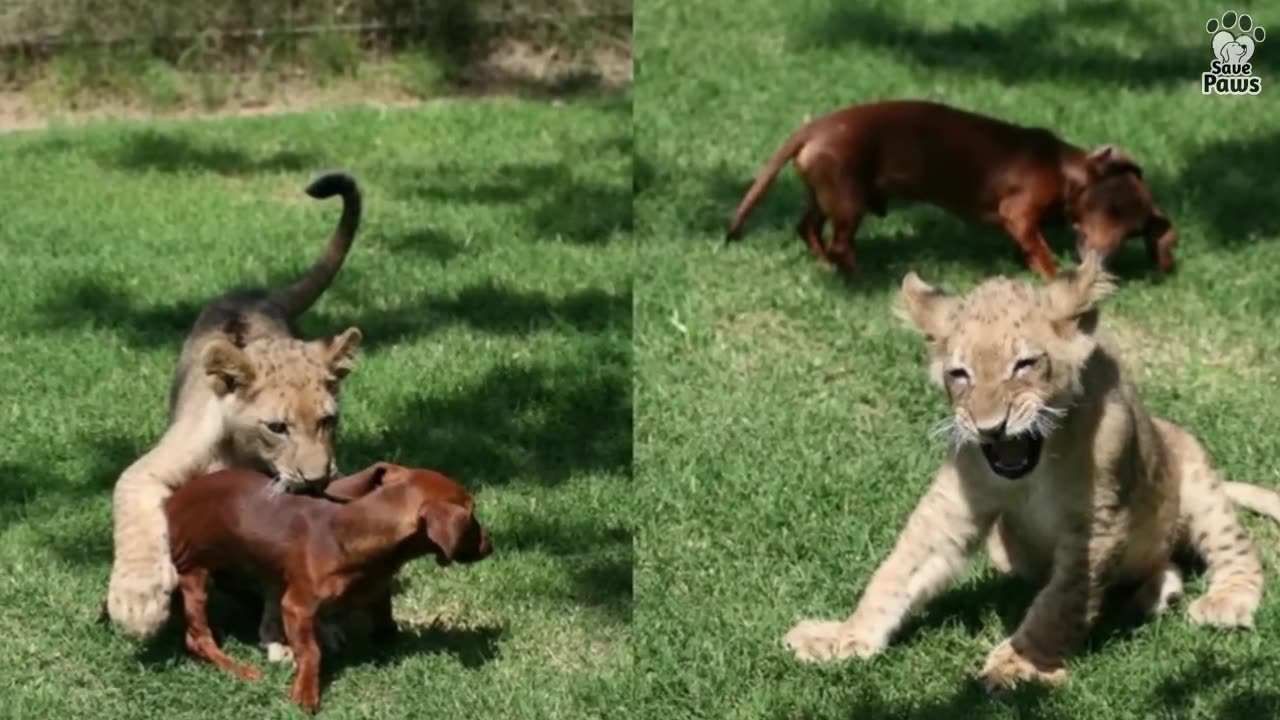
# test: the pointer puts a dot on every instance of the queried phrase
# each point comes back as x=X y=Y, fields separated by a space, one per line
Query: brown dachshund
x=322 y=553
x=859 y=158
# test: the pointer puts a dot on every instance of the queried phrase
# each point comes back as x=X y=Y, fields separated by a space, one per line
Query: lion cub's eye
x=278 y=427
x=1024 y=364
x=958 y=375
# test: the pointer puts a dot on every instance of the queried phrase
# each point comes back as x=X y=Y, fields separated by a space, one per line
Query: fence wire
x=36 y=24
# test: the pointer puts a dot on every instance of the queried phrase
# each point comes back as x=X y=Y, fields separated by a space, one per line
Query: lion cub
x=1058 y=466
x=248 y=391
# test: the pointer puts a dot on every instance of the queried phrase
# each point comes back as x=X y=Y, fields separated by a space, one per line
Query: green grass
x=782 y=417
x=492 y=280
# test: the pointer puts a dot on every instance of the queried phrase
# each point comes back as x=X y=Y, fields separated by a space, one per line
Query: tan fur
x=1115 y=492
x=242 y=370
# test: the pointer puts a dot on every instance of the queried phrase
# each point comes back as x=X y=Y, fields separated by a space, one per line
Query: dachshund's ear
x=360 y=484
x=445 y=523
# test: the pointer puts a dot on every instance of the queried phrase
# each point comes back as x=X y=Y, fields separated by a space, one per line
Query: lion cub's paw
x=1006 y=668
x=138 y=596
x=827 y=640
x=1225 y=610
x=279 y=653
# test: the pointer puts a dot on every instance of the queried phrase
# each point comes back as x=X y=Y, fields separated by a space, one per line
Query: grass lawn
x=492 y=280
x=782 y=417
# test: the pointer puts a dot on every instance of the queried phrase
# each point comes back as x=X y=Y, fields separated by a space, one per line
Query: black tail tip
x=334 y=183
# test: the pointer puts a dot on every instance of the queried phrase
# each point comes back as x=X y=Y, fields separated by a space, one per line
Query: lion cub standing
x=1059 y=467
x=247 y=392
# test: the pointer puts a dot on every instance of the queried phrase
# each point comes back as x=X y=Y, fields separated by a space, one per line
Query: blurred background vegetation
x=208 y=54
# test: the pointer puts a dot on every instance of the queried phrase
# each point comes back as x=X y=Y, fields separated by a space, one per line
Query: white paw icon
x=1229 y=47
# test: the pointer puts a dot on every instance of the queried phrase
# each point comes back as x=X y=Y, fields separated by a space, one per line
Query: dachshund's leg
x=298 y=607
x=200 y=641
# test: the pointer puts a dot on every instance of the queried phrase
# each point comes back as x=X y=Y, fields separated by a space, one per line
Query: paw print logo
x=1229 y=47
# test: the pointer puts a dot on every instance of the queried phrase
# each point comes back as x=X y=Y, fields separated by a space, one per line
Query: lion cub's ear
x=929 y=309
x=1073 y=297
x=227 y=366
x=342 y=351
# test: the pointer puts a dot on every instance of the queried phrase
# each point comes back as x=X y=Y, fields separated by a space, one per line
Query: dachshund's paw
x=1006 y=668
x=306 y=695
x=828 y=640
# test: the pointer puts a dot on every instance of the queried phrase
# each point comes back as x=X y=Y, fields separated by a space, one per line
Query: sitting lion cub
x=1057 y=464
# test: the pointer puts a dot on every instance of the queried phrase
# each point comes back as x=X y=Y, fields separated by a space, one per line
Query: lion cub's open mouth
x=1013 y=457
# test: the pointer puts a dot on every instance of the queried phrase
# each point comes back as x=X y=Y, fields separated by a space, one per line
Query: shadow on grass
x=427 y=243
x=968 y=605
x=1221 y=186
x=1209 y=673
x=26 y=484
x=153 y=150
x=235 y=617
x=97 y=304
x=472 y=647
x=1047 y=44
x=968 y=701
x=601 y=560
x=491 y=308
x=531 y=423
x=1205 y=675
x=557 y=203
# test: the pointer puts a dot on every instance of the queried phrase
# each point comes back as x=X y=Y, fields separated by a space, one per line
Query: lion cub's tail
x=301 y=295
x=1263 y=501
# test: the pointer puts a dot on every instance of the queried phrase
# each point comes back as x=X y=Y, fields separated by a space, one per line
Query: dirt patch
x=512 y=68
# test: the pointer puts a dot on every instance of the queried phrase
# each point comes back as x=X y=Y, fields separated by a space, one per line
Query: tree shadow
x=600 y=560
x=98 y=304
x=1224 y=189
x=235 y=617
x=1207 y=672
x=93 y=303
x=968 y=605
x=1048 y=44
x=154 y=150
x=495 y=309
x=427 y=242
x=968 y=700
x=533 y=423
x=27 y=483
x=557 y=203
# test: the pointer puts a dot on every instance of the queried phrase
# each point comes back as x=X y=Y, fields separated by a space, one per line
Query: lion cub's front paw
x=1006 y=668
x=1225 y=610
x=827 y=640
x=279 y=653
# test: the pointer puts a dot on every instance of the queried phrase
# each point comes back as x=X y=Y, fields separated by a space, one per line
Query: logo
x=1230 y=72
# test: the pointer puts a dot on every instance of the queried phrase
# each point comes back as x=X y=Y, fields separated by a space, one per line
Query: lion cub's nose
x=990 y=431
